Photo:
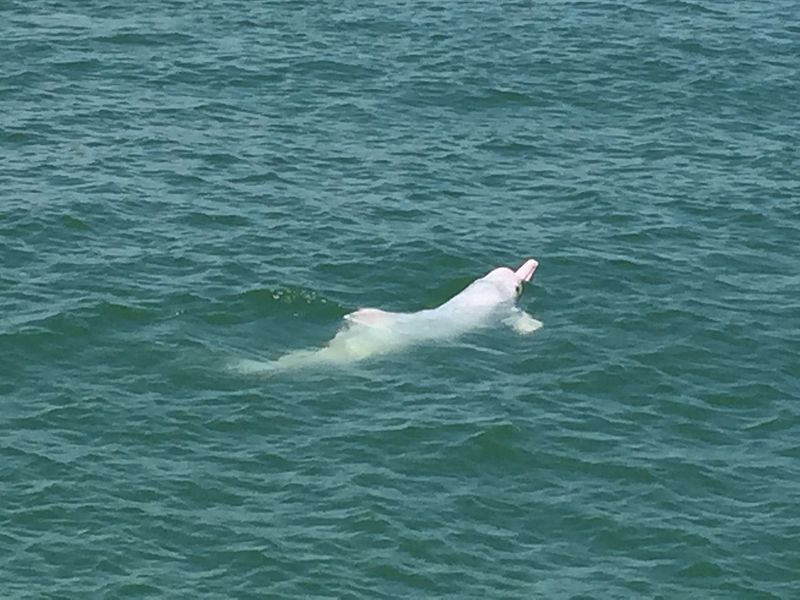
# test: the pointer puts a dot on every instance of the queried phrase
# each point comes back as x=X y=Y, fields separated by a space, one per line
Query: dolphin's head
x=510 y=282
x=525 y=272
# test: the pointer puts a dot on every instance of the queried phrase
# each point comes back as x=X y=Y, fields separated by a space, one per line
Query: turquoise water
x=190 y=184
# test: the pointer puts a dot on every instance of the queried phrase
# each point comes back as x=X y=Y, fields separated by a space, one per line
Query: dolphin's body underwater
x=371 y=331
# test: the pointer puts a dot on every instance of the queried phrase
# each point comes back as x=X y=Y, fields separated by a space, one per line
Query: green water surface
x=183 y=184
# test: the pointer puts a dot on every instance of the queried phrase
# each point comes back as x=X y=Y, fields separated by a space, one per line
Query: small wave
x=209 y=219
x=145 y=39
x=260 y=178
x=336 y=71
x=280 y=300
x=506 y=96
x=77 y=321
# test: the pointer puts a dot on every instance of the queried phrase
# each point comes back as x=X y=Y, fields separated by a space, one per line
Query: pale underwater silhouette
x=371 y=332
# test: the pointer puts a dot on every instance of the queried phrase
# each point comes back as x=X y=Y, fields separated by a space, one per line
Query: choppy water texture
x=183 y=184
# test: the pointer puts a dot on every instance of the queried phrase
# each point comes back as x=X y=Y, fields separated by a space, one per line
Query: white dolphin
x=371 y=331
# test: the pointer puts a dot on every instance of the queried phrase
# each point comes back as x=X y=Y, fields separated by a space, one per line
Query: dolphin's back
x=480 y=296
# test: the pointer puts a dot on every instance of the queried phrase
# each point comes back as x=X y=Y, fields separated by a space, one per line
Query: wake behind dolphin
x=371 y=331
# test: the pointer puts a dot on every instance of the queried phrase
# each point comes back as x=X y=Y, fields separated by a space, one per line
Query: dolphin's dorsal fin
x=367 y=316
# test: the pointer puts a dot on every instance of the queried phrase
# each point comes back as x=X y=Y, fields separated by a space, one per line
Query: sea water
x=187 y=183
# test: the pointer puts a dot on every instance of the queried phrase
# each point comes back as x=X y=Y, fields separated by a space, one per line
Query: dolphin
x=371 y=332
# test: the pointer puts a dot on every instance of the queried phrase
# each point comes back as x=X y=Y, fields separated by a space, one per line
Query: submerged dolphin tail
x=248 y=366
x=297 y=359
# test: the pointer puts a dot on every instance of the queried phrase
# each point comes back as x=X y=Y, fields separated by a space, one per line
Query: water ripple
x=183 y=185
